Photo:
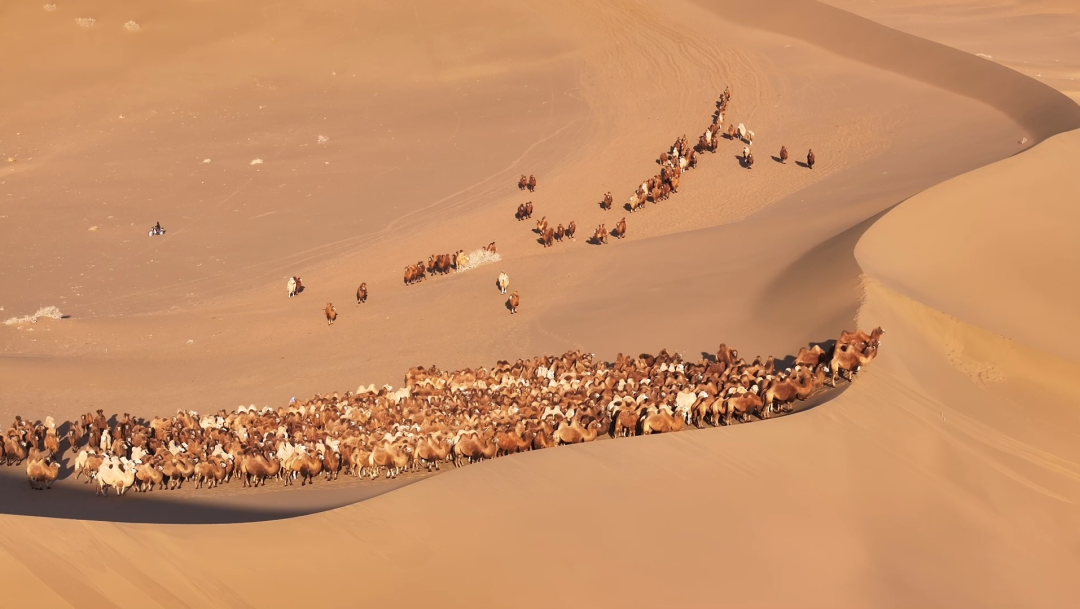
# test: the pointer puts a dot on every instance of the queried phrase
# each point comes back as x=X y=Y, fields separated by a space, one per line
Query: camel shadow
x=802 y=164
x=778 y=159
x=742 y=161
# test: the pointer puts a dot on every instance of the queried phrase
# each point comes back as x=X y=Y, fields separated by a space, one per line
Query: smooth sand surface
x=947 y=475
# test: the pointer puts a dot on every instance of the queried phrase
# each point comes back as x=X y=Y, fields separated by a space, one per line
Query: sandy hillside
x=948 y=475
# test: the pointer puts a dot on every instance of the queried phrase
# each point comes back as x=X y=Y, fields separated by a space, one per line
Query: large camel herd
x=436 y=418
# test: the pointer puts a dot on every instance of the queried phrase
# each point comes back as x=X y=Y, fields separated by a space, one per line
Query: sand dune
x=947 y=475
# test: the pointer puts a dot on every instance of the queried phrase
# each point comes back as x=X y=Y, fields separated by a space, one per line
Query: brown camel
x=515 y=301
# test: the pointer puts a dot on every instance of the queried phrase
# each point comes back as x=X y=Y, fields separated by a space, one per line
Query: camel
x=42 y=471
x=541 y=225
x=750 y=160
x=607 y=202
x=811 y=357
x=211 y=472
x=548 y=238
x=571 y=229
x=783 y=154
x=504 y=282
x=743 y=404
x=393 y=457
x=52 y=441
x=147 y=476
x=468 y=447
x=846 y=358
x=361 y=294
x=514 y=302
x=780 y=394
x=87 y=463
x=600 y=235
x=810 y=159
x=626 y=421
x=292 y=285
x=532 y=183
x=523 y=182
x=304 y=466
x=512 y=441
x=113 y=474
x=331 y=461
x=560 y=233
x=574 y=433
x=727 y=355
x=524 y=211
x=15 y=450
x=331 y=313
x=256 y=468
x=661 y=420
x=431 y=451
x=490 y=248
x=861 y=339
x=620 y=228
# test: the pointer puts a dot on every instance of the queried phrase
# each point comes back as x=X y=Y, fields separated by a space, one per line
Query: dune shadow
x=71 y=499
x=836 y=293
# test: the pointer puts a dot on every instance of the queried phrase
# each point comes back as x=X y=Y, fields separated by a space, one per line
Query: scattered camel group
x=549 y=235
x=436 y=418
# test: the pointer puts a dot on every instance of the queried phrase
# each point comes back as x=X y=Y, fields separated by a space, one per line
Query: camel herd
x=435 y=418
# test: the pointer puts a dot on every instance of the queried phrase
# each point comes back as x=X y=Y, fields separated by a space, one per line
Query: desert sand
x=942 y=208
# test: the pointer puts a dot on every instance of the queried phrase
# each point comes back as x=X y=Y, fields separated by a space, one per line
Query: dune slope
x=948 y=475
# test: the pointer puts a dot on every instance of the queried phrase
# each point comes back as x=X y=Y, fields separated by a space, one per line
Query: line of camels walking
x=673 y=162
